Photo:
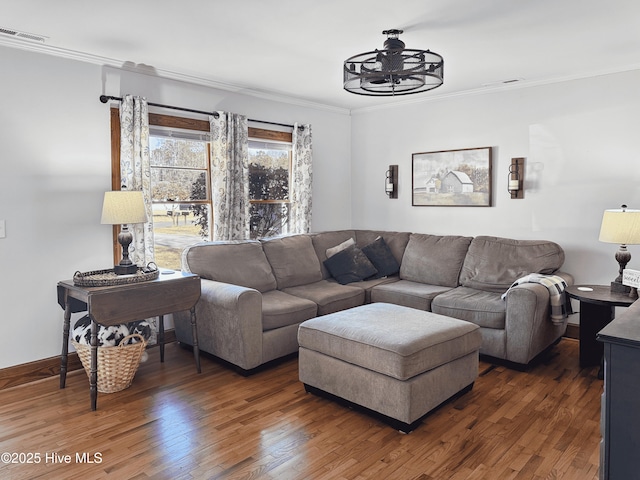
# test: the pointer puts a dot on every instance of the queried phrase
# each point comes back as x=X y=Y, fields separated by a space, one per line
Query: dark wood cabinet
x=620 y=415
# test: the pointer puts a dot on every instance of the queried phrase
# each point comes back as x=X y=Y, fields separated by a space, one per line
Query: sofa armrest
x=567 y=277
x=229 y=321
x=528 y=325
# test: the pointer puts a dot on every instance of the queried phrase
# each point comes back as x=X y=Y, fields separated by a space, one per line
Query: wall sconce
x=391 y=182
x=516 y=178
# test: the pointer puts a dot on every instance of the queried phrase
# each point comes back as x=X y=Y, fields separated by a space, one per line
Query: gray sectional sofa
x=255 y=293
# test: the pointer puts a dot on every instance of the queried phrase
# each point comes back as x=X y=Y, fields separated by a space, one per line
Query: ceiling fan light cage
x=393 y=71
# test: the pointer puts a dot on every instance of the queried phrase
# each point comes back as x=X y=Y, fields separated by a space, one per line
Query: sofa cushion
x=368 y=285
x=293 y=260
x=238 y=262
x=329 y=295
x=280 y=309
x=323 y=241
x=493 y=263
x=485 y=309
x=407 y=293
x=434 y=259
x=397 y=241
x=380 y=255
x=350 y=265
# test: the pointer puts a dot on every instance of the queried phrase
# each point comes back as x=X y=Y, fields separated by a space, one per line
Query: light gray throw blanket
x=560 y=306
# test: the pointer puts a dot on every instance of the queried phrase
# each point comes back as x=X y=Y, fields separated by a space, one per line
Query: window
x=180 y=192
x=269 y=182
x=180 y=182
x=181 y=178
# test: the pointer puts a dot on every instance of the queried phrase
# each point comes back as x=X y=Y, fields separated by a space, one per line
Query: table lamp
x=621 y=226
x=123 y=207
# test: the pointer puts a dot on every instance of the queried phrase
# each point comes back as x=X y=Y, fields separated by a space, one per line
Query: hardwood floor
x=173 y=423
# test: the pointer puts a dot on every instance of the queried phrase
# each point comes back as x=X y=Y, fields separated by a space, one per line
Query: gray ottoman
x=395 y=361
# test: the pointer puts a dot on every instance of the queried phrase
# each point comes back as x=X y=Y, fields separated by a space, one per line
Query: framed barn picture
x=452 y=178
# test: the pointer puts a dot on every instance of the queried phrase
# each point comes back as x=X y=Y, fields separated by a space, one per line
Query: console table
x=113 y=305
x=597 y=309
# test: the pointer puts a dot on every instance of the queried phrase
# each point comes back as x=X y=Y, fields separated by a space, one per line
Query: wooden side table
x=114 y=305
x=597 y=310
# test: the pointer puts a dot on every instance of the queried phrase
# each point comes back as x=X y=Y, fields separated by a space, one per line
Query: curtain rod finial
x=104 y=98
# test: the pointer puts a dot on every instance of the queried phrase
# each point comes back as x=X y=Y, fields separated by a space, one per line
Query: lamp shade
x=123 y=207
x=621 y=226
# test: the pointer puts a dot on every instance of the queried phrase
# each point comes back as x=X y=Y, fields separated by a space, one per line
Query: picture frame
x=452 y=178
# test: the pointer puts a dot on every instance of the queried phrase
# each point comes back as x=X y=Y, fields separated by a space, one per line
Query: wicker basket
x=116 y=365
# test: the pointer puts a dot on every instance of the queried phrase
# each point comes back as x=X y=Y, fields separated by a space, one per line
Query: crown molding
x=276 y=97
x=500 y=87
x=168 y=74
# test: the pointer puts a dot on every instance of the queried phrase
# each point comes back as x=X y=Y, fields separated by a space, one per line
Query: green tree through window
x=269 y=166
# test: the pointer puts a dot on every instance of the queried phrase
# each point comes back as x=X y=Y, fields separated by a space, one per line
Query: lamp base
x=125 y=269
x=126 y=266
x=617 y=287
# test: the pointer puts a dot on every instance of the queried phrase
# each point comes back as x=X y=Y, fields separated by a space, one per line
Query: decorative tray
x=104 y=278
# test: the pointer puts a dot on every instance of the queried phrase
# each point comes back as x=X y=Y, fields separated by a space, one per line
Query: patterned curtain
x=301 y=180
x=135 y=175
x=135 y=170
x=230 y=176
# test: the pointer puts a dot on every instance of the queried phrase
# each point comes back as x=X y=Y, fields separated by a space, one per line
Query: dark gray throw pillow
x=379 y=253
x=350 y=265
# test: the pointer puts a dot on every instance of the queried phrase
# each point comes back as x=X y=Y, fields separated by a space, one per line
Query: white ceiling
x=296 y=48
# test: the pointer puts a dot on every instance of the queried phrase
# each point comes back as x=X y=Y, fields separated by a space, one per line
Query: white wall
x=55 y=167
x=581 y=140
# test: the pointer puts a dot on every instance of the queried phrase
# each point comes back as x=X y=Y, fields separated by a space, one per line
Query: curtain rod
x=106 y=98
